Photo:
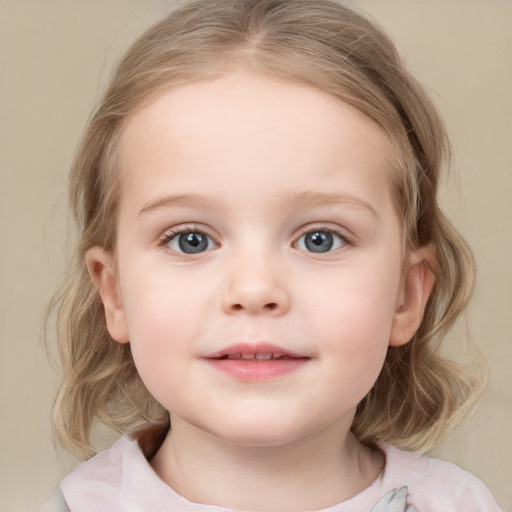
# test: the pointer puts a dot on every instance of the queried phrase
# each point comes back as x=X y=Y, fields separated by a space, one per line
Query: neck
x=310 y=473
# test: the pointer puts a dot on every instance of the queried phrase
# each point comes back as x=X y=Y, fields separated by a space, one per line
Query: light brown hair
x=320 y=43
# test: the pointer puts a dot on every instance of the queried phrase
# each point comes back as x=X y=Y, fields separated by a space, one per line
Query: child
x=263 y=273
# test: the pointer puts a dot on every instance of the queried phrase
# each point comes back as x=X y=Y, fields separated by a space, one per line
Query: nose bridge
x=254 y=283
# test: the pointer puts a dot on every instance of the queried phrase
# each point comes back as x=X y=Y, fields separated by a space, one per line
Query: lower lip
x=258 y=370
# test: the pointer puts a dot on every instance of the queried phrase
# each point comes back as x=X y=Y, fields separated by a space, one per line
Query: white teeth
x=249 y=356
x=265 y=356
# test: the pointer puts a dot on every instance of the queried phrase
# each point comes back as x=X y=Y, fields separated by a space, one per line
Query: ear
x=102 y=271
x=417 y=285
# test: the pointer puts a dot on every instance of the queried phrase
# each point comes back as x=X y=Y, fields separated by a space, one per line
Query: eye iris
x=193 y=242
x=319 y=241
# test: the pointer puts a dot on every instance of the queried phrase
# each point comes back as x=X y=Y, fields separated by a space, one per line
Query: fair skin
x=293 y=240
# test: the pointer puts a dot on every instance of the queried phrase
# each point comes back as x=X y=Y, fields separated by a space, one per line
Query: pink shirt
x=121 y=480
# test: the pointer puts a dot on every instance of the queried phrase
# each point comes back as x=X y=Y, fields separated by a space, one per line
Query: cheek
x=161 y=329
x=358 y=333
x=355 y=350
x=157 y=304
x=353 y=324
x=358 y=306
x=362 y=320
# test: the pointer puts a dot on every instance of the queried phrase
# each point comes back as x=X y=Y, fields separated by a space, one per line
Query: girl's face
x=258 y=271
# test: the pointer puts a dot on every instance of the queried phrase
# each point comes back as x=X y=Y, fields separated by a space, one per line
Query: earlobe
x=417 y=286
x=101 y=269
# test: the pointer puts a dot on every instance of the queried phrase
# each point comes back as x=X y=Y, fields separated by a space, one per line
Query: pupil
x=192 y=243
x=193 y=239
x=319 y=241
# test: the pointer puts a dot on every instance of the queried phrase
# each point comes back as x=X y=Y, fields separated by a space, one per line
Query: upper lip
x=251 y=349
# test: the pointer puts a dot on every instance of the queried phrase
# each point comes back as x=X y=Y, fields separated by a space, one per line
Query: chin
x=262 y=433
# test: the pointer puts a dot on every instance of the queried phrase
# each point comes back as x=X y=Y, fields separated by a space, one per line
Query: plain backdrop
x=54 y=56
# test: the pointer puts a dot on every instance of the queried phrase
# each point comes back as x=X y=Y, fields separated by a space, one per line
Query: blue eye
x=190 y=242
x=320 y=241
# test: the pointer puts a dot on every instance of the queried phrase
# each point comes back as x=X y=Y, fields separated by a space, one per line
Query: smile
x=258 y=362
x=258 y=356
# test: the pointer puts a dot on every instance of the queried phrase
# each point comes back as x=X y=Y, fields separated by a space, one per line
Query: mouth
x=258 y=362
x=259 y=356
x=255 y=352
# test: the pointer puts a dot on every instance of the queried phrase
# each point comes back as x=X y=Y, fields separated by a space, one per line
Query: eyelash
x=169 y=235
x=174 y=232
x=326 y=227
x=347 y=239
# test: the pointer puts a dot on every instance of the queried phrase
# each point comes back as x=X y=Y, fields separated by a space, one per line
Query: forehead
x=242 y=128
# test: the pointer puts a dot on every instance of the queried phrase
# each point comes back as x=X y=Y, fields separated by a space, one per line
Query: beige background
x=52 y=54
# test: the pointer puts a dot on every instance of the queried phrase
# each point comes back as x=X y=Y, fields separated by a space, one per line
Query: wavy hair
x=321 y=43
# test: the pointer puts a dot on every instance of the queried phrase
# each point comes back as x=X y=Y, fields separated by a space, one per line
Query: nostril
x=271 y=306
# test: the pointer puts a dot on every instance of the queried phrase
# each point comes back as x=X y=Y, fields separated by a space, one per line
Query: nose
x=255 y=287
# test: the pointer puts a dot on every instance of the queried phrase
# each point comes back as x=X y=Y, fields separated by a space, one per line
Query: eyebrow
x=295 y=201
x=320 y=199
x=176 y=200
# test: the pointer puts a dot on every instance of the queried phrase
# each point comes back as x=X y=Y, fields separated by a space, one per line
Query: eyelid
x=337 y=230
x=172 y=232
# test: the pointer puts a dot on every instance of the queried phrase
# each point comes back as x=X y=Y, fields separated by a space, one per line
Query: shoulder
x=109 y=479
x=121 y=479
x=97 y=482
x=435 y=485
